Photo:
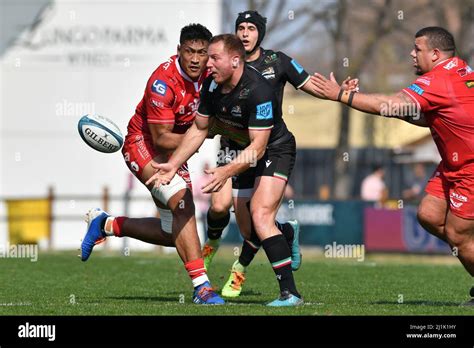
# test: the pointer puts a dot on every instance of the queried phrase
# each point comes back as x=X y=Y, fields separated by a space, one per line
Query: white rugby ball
x=100 y=133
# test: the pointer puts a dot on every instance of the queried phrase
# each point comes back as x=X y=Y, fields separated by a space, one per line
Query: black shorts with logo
x=278 y=161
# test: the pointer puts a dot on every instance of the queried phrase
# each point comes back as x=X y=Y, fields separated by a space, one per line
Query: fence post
x=50 y=216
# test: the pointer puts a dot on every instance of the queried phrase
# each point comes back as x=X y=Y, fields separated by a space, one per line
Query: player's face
x=248 y=34
x=193 y=57
x=219 y=63
x=422 y=56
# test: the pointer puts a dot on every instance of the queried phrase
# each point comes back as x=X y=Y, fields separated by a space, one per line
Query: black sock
x=287 y=230
x=279 y=255
x=216 y=226
x=249 y=248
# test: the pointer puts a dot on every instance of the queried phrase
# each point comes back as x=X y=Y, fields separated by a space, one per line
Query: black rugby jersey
x=279 y=69
x=251 y=105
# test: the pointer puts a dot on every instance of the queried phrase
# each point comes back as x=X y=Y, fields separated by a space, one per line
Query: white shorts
x=165 y=192
x=163 y=195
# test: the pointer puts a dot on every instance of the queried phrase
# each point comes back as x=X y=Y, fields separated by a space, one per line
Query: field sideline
x=149 y=284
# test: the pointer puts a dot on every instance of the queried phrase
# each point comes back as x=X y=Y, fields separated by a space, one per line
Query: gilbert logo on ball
x=100 y=133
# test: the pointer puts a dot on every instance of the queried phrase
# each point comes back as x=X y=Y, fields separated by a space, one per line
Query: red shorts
x=456 y=187
x=138 y=151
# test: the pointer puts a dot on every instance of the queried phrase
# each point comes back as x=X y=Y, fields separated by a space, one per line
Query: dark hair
x=231 y=44
x=377 y=167
x=194 y=31
x=256 y=19
x=439 y=38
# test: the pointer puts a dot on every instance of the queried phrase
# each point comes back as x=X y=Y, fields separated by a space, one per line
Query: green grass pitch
x=156 y=284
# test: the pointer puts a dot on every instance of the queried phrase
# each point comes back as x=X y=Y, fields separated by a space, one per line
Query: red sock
x=116 y=227
x=196 y=271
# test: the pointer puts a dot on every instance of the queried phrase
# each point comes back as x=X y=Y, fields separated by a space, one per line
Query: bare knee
x=220 y=208
x=428 y=218
x=456 y=237
x=262 y=217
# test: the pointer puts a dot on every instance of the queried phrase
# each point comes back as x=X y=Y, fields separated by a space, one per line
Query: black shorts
x=278 y=161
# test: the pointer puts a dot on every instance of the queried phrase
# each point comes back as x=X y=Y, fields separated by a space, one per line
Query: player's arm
x=163 y=137
x=251 y=154
x=190 y=143
x=295 y=74
x=399 y=105
x=348 y=84
x=247 y=158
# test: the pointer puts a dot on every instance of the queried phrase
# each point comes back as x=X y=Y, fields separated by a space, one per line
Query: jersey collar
x=444 y=61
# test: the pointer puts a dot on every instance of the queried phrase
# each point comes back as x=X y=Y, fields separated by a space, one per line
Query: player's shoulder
x=256 y=82
x=272 y=57
x=166 y=72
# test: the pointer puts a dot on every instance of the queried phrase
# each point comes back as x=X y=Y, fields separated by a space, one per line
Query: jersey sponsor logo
x=244 y=93
x=297 y=66
x=271 y=58
x=265 y=111
x=236 y=111
x=424 y=80
x=159 y=87
x=267 y=163
x=269 y=73
x=451 y=64
x=417 y=89
x=470 y=84
x=158 y=104
x=457 y=200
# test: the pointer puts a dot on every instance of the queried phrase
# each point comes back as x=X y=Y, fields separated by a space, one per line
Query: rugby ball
x=100 y=133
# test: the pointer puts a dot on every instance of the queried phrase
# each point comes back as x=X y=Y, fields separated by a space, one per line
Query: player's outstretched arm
x=191 y=142
x=398 y=105
x=247 y=158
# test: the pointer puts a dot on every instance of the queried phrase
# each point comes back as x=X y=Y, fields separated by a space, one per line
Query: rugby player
x=441 y=98
x=244 y=108
x=278 y=69
x=164 y=114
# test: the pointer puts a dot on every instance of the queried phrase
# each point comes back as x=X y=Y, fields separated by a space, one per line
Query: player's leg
x=218 y=217
x=264 y=206
x=460 y=236
x=148 y=230
x=434 y=205
x=137 y=153
x=432 y=215
x=179 y=219
x=273 y=172
x=250 y=246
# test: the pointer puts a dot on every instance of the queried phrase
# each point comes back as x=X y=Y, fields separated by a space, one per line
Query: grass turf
x=150 y=284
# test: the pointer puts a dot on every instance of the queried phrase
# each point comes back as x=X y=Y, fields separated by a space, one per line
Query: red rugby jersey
x=445 y=96
x=170 y=97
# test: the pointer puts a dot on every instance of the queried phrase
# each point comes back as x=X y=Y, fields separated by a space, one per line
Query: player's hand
x=219 y=178
x=329 y=89
x=351 y=85
x=164 y=173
